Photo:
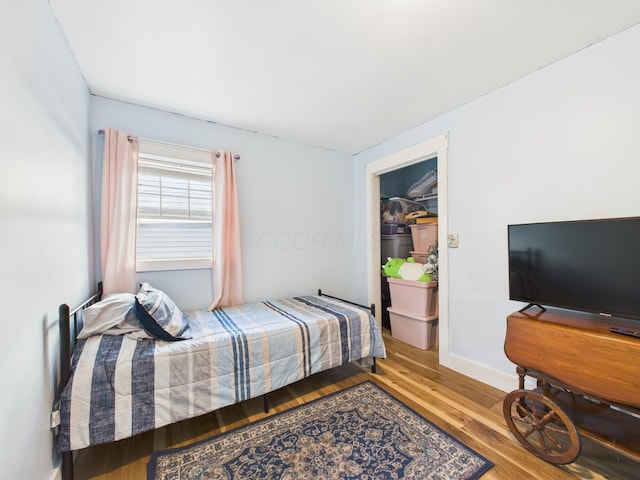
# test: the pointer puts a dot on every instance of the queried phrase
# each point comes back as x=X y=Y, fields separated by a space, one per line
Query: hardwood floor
x=469 y=410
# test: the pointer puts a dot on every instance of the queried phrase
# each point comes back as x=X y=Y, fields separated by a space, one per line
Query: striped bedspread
x=120 y=387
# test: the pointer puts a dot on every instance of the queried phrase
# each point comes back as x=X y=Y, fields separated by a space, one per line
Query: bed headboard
x=68 y=320
x=68 y=323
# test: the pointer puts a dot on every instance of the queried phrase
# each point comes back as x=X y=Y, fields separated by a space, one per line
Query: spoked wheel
x=541 y=426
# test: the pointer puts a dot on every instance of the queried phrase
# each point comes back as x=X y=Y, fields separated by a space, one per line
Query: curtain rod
x=176 y=145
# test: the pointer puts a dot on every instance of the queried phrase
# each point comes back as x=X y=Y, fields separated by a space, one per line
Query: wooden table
x=588 y=383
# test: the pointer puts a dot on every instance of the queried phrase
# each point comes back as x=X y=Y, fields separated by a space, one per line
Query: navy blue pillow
x=159 y=315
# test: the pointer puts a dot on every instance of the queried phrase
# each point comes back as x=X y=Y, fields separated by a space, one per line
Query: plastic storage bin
x=420 y=332
x=395 y=246
x=424 y=236
x=393 y=229
x=420 y=257
x=418 y=299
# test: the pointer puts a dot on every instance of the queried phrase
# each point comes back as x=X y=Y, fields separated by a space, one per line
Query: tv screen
x=589 y=265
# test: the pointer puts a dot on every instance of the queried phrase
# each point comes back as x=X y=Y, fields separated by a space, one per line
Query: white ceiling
x=340 y=74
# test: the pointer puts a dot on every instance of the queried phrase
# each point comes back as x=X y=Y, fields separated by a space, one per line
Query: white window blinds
x=174 y=213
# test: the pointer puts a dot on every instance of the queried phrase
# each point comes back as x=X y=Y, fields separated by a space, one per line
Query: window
x=174 y=210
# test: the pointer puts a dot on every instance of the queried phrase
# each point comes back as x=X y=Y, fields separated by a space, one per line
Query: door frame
x=436 y=147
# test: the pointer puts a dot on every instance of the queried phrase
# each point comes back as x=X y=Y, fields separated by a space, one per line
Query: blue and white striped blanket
x=120 y=386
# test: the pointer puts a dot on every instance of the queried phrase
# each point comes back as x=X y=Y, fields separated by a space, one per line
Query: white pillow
x=113 y=315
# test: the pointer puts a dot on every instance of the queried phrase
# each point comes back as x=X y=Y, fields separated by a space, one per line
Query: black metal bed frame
x=371 y=308
x=68 y=323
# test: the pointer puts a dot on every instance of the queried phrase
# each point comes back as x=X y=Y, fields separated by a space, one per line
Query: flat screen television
x=589 y=265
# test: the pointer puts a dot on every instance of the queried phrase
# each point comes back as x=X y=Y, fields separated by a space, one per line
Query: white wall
x=560 y=144
x=295 y=206
x=44 y=237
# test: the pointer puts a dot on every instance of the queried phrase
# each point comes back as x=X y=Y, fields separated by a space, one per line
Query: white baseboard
x=56 y=474
x=506 y=382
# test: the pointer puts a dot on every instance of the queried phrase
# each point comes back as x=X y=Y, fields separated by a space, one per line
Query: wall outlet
x=452 y=240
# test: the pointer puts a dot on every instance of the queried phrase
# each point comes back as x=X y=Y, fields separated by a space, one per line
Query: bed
x=118 y=383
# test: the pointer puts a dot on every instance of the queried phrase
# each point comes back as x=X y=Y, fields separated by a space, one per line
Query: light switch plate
x=452 y=240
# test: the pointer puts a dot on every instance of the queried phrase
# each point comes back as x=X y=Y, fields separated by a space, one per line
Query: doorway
x=403 y=191
x=438 y=148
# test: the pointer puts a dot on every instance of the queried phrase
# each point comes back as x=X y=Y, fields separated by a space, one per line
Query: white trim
x=56 y=474
x=506 y=382
x=205 y=162
x=436 y=147
x=175 y=264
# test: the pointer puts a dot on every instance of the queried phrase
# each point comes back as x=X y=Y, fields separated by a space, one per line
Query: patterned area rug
x=358 y=433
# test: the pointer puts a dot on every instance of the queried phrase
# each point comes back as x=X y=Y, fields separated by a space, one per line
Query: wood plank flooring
x=469 y=410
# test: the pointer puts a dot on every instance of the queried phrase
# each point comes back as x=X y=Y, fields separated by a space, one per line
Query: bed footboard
x=371 y=308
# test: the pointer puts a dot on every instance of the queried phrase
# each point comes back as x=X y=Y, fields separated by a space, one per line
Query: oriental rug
x=361 y=432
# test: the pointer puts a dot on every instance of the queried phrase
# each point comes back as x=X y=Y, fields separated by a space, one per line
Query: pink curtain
x=118 y=211
x=227 y=257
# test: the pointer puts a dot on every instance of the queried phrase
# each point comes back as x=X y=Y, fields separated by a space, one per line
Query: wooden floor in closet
x=467 y=409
